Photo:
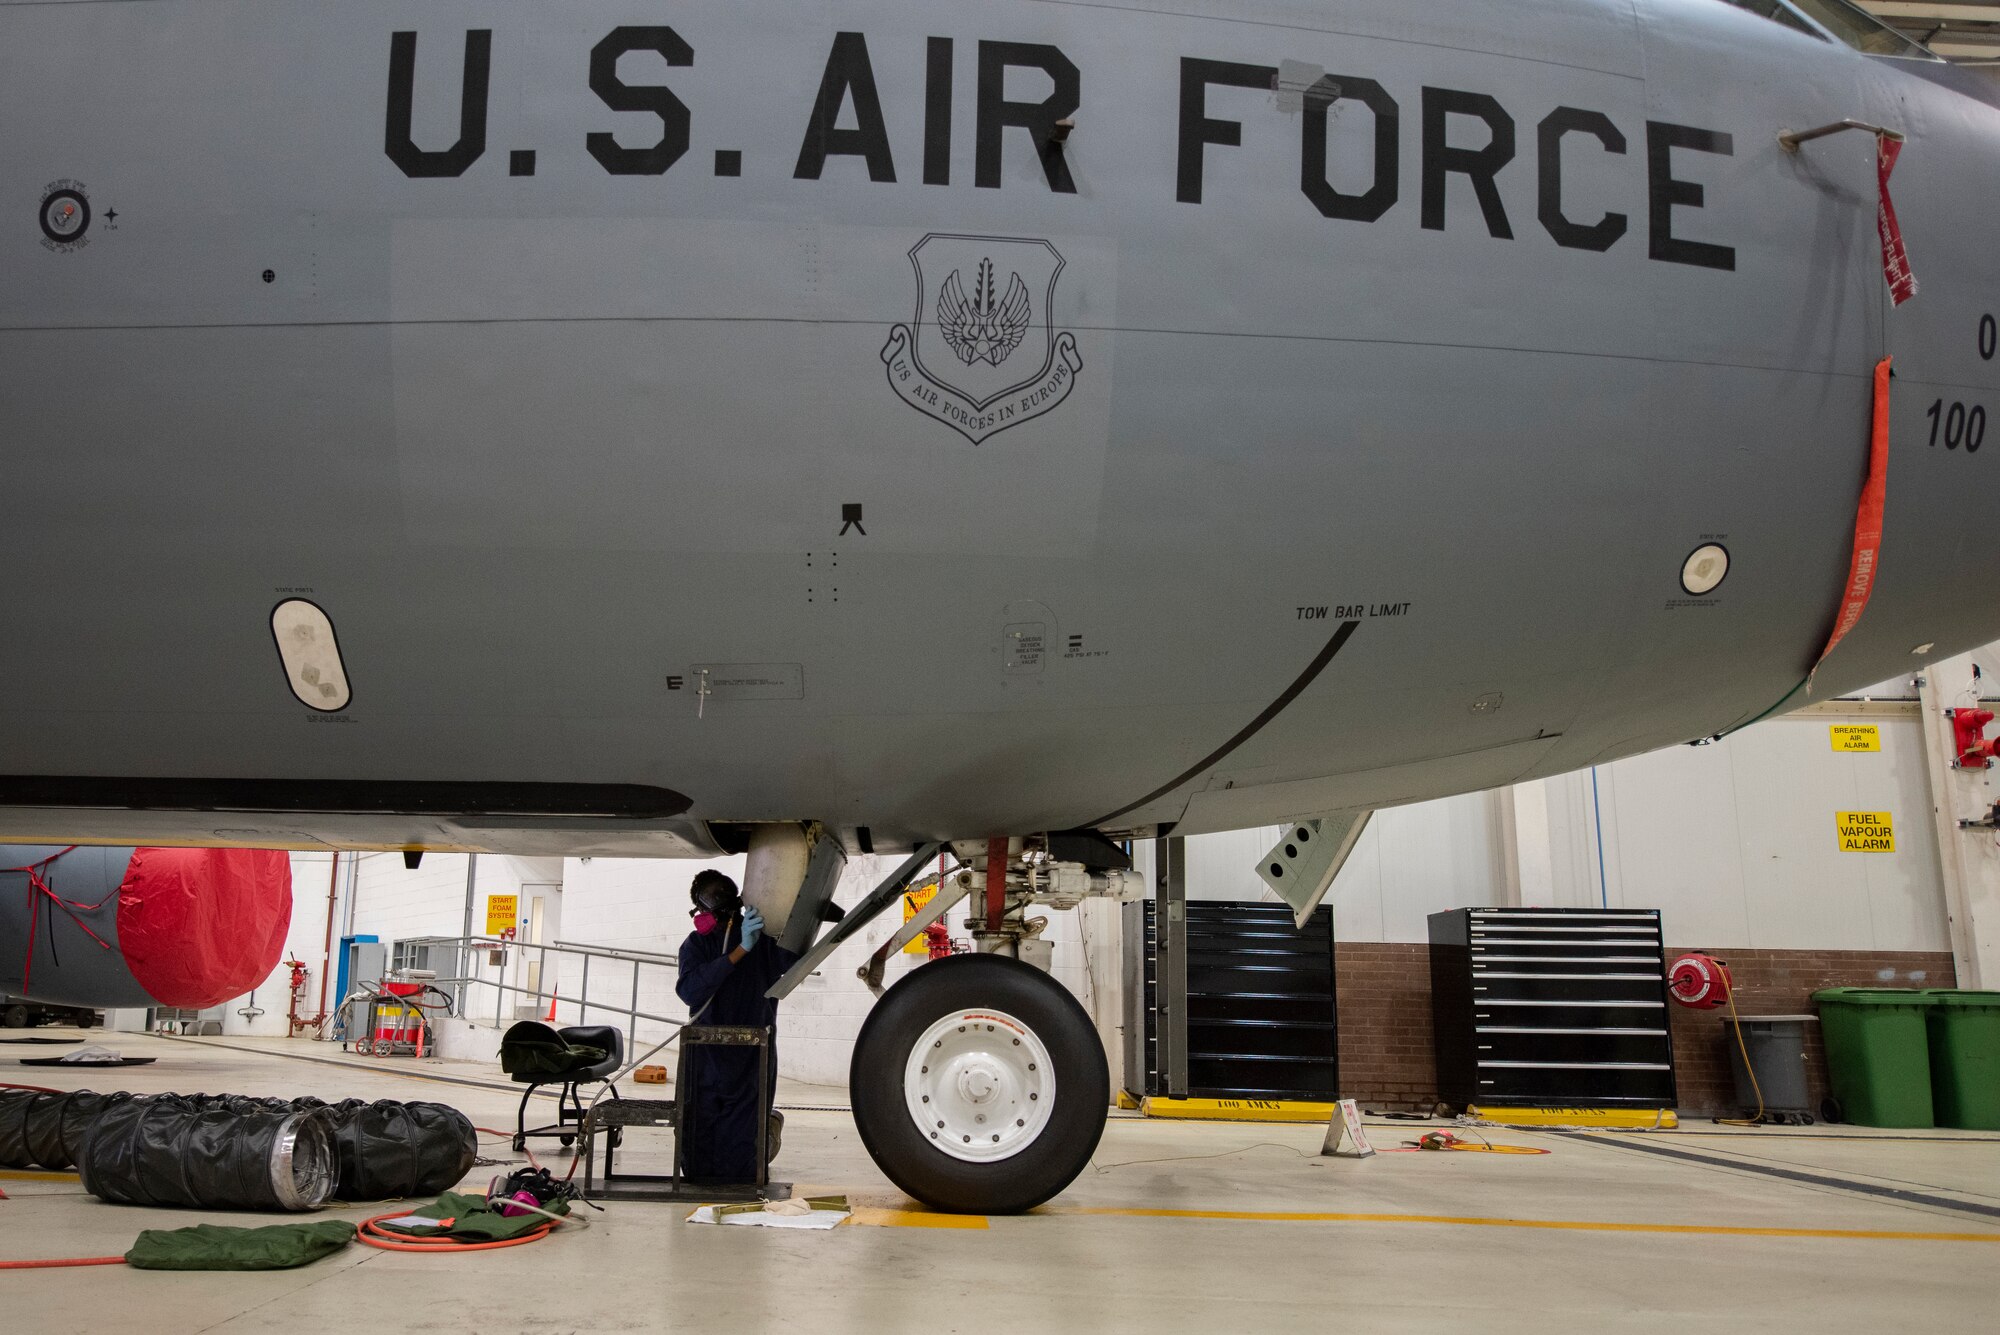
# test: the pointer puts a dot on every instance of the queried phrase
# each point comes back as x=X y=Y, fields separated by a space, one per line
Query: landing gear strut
x=979 y=1085
x=978 y=1082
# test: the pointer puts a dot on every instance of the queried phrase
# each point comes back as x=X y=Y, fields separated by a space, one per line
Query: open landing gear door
x=880 y=898
x=789 y=876
x=1301 y=868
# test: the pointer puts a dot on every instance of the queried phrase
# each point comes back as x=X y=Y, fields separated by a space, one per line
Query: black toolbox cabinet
x=1551 y=1008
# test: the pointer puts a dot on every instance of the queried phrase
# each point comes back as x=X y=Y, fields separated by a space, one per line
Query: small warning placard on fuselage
x=1866 y=831
x=1855 y=736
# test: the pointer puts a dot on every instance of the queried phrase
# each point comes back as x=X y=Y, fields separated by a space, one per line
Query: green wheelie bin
x=1965 y=1057
x=1878 y=1054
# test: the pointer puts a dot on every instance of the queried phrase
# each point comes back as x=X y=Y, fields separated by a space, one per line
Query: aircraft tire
x=1006 y=1044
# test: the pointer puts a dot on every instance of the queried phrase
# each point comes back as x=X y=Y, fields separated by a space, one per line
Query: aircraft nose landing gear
x=978 y=1082
x=979 y=1085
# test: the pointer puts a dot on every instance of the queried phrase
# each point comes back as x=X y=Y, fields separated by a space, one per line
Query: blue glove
x=753 y=927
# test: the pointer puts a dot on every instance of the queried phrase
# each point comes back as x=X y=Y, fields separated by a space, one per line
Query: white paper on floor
x=776 y=1214
x=93 y=1056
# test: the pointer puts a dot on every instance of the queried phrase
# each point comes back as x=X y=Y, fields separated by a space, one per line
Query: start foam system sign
x=1855 y=736
x=915 y=902
x=501 y=912
x=1866 y=831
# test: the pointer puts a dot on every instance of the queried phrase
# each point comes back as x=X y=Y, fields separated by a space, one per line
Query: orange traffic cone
x=552 y=1005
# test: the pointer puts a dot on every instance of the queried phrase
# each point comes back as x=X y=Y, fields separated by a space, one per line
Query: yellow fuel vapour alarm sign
x=1855 y=736
x=1866 y=831
x=501 y=913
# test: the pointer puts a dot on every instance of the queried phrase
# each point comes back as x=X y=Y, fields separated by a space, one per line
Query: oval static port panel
x=1704 y=569
x=311 y=655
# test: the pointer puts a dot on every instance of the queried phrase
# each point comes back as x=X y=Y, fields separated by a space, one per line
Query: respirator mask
x=715 y=901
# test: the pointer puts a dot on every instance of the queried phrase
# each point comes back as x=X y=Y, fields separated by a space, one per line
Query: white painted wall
x=633 y=903
x=818 y=1023
x=392 y=901
x=304 y=940
x=1410 y=861
x=1414 y=860
x=1734 y=843
x=397 y=903
x=636 y=905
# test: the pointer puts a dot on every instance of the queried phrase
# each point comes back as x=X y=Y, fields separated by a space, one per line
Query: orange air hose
x=390 y=1242
x=60 y=1262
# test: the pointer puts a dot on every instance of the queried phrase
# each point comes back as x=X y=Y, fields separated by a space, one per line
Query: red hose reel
x=1699 y=982
x=1968 y=734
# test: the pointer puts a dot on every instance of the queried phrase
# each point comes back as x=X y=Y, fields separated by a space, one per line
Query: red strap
x=38 y=889
x=1861 y=569
x=1895 y=259
x=996 y=882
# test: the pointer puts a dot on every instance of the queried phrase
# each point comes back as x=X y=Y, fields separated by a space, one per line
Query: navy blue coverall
x=723 y=1143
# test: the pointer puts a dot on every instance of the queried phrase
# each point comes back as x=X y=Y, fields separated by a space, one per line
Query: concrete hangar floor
x=1178 y=1226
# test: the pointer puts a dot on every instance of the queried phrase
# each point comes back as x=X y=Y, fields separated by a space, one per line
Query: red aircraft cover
x=201 y=925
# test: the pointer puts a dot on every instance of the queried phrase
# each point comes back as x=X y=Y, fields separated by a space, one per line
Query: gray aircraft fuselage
x=949 y=419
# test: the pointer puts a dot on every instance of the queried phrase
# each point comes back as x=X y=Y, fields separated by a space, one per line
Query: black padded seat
x=569 y=1102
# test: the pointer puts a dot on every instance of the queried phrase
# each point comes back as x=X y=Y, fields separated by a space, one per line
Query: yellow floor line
x=887 y=1216
x=1471 y=1221
x=877 y=1217
x=1235 y=1110
x=1643 y=1119
x=23 y=1175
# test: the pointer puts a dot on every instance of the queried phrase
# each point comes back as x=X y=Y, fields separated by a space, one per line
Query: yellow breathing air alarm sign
x=1855 y=736
x=501 y=913
x=1866 y=831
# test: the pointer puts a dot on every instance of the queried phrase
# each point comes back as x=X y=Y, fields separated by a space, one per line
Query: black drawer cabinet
x=1551 y=1008
x=1260 y=1015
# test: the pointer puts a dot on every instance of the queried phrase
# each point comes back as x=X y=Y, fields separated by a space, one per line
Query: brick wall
x=1781 y=982
x=1384 y=1000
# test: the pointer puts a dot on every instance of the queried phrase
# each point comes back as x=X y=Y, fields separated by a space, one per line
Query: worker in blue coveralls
x=727 y=962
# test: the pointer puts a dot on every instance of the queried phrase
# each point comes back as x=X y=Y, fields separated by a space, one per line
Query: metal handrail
x=561 y=1001
x=567 y=947
x=466 y=976
x=613 y=952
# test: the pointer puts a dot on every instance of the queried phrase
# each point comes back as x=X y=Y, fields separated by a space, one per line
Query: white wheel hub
x=979 y=1085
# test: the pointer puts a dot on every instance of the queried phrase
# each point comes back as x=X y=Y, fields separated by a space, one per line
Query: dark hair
x=713 y=891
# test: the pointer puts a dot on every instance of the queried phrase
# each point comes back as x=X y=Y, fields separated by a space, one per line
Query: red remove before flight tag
x=1895 y=259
